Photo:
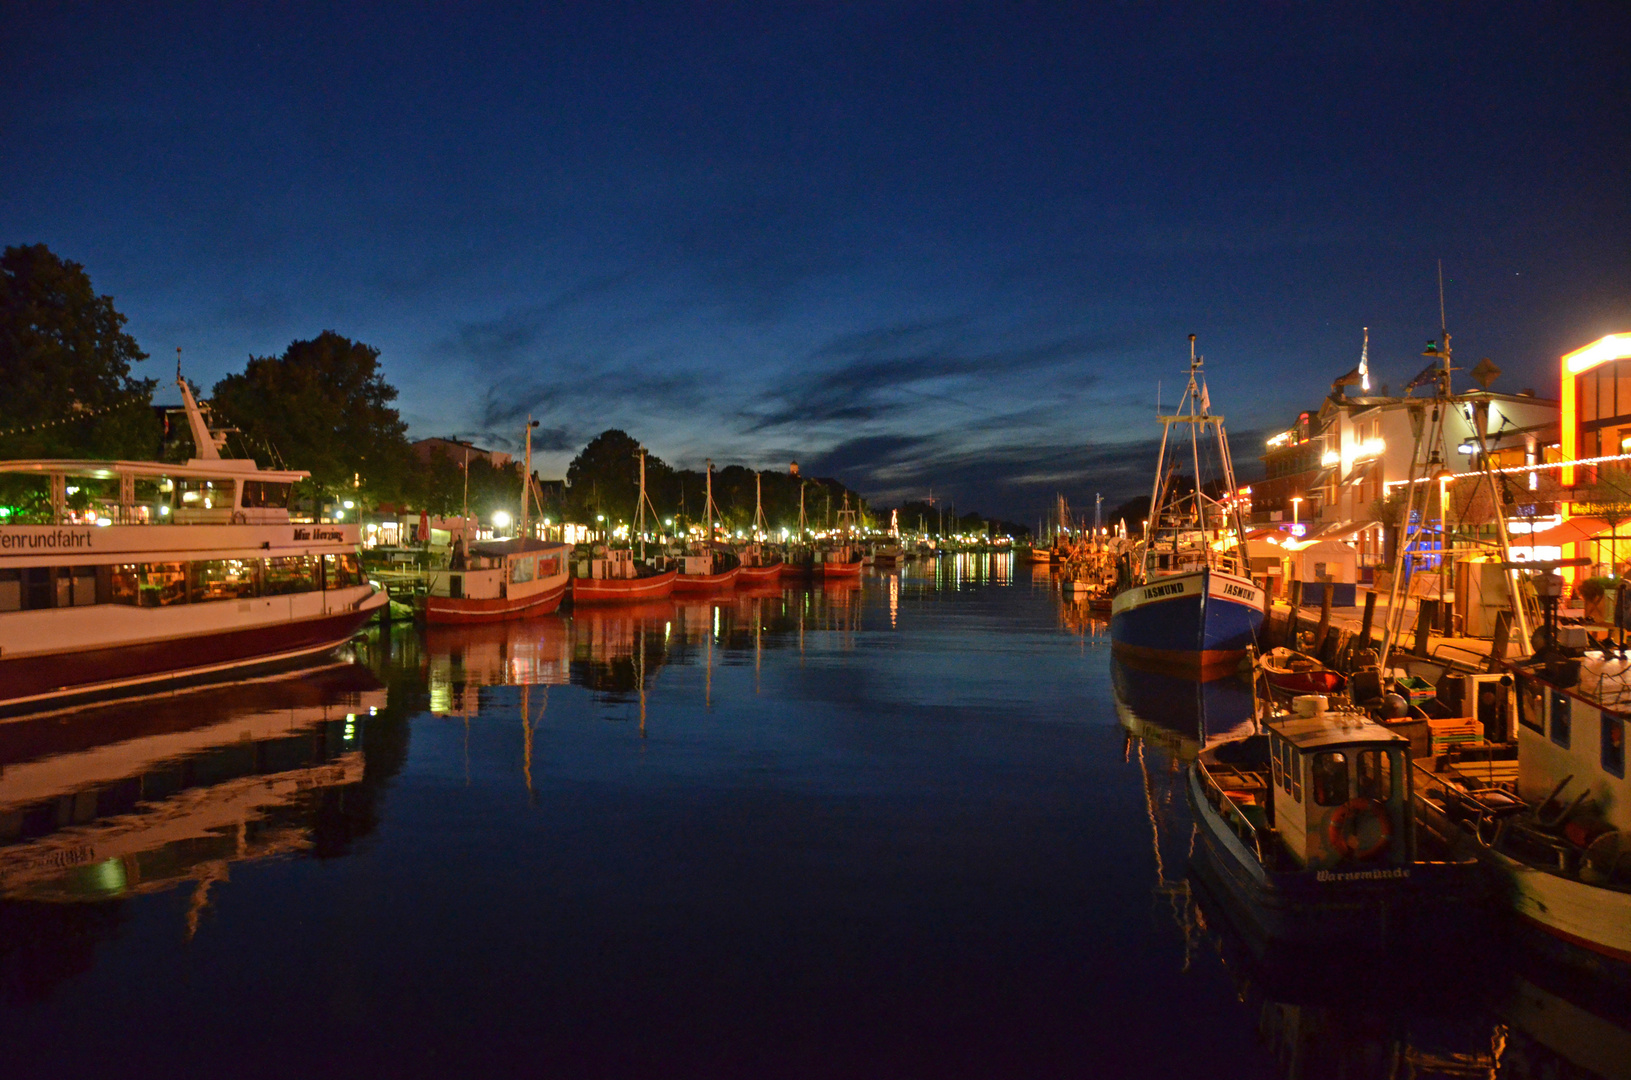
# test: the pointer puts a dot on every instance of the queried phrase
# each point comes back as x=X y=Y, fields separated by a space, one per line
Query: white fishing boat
x=121 y=577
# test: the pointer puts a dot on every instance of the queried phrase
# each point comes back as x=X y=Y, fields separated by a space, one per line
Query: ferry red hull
x=623 y=590
x=702 y=584
x=38 y=682
x=442 y=610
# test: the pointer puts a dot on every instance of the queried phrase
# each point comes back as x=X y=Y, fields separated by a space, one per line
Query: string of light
x=76 y=418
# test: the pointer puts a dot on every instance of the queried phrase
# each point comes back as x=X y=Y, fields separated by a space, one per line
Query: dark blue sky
x=908 y=244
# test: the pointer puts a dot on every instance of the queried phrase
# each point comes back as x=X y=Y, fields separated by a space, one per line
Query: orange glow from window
x=1601 y=351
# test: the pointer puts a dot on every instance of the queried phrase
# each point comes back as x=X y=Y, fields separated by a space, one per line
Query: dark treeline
x=322 y=406
x=605 y=477
x=944 y=519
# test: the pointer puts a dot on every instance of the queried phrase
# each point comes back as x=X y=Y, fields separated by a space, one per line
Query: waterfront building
x=1327 y=475
x=1595 y=392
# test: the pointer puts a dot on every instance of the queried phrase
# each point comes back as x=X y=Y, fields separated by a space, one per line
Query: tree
x=322 y=406
x=65 y=364
x=605 y=477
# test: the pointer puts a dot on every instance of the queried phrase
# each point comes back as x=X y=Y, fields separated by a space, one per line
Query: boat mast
x=803 y=528
x=526 y=481
x=761 y=527
x=207 y=443
x=640 y=505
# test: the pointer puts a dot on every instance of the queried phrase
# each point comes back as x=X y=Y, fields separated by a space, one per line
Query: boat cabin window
x=36 y=587
x=264 y=494
x=292 y=574
x=341 y=571
x=1613 y=738
x=1375 y=775
x=1531 y=704
x=1277 y=770
x=1560 y=718
x=1328 y=778
x=224 y=579
x=204 y=494
x=11 y=590
x=521 y=570
x=149 y=584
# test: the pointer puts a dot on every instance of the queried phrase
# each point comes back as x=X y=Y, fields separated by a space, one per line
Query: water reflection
x=1180 y=715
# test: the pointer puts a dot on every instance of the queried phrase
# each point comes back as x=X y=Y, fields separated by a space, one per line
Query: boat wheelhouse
x=120 y=577
x=1191 y=604
x=603 y=575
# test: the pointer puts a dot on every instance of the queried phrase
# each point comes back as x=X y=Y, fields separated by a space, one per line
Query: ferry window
x=123 y=584
x=1279 y=772
x=1375 y=775
x=224 y=579
x=1531 y=705
x=292 y=574
x=1328 y=778
x=341 y=571
x=36 y=587
x=1613 y=745
x=64 y=581
x=1294 y=767
x=265 y=494
x=161 y=584
x=84 y=587
x=204 y=494
x=11 y=590
x=1560 y=718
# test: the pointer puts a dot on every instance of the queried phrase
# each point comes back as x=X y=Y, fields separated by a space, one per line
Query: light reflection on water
x=916 y=826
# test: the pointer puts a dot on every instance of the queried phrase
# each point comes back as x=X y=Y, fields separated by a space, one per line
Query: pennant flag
x=1206 y=403
x=1427 y=375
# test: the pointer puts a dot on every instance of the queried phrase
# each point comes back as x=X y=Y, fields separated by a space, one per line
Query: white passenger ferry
x=120 y=577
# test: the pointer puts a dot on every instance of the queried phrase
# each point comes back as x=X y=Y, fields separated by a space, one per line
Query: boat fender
x=1346 y=840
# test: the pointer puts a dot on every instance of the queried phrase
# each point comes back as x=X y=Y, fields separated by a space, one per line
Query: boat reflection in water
x=1183 y=716
x=142 y=797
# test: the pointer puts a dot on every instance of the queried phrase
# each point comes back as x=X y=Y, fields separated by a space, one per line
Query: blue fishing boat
x=1191 y=605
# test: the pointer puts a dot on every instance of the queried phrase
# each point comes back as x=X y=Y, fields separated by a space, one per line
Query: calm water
x=918 y=828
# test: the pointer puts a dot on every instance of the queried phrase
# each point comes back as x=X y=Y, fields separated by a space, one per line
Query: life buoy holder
x=1345 y=839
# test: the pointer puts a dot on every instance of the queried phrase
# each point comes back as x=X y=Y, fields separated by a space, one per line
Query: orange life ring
x=1339 y=835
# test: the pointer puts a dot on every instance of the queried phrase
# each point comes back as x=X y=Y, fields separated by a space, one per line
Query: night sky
x=906 y=244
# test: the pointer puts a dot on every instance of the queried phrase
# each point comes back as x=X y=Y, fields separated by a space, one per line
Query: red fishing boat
x=499 y=580
x=612 y=576
x=842 y=562
x=760 y=566
x=710 y=570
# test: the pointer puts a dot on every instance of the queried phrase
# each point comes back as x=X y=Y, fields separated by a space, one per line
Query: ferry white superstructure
x=121 y=577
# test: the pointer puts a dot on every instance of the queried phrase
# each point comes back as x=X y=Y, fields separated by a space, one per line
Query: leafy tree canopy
x=322 y=406
x=64 y=354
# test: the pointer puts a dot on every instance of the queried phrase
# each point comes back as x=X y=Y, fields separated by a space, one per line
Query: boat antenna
x=761 y=527
x=1443 y=323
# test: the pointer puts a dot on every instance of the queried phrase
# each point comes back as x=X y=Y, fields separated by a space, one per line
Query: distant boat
x=761 y=565
x=1191 y=603
x=613 y=576
x=500 y=579
x=842 y=561
x=707 y=569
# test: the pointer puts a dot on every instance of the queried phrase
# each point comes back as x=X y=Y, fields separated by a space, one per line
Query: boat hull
x=759 y=575
x=42 y=681
x=796 y=570
x=623 y=590
x=842 y=571
x=1201 y=622
x=445 y=610
x=702 y=584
